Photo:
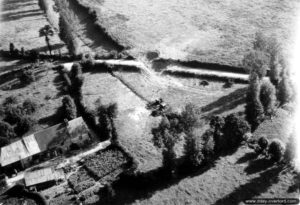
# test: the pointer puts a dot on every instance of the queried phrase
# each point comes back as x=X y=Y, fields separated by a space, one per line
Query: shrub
x=263 y=142
x=24 y=124
x=6 y=130
x=276 y=150
x=10 y=100
x=13 y=114
x=228 y=84
x=29 y=106
x=233 y=131
x=27 y=76
x=268 y=97
x=87 y=61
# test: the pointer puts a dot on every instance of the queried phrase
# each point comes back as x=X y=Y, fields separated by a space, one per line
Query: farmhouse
x=43 y=177
x=44 y=145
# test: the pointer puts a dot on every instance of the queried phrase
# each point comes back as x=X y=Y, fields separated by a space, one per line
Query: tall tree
x=268 y=97
x=254 y=108
x=285 y=91
x=47 y=32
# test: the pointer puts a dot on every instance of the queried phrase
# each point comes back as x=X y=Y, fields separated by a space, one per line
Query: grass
x=279 y=127
x=225 y=183
x=208 y=31
x=45 y=92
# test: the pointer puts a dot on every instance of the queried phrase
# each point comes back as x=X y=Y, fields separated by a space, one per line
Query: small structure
x=43 y=145
x=43 y=178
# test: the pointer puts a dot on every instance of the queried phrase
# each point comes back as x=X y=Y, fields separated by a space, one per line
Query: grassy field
x=134 y=122
x=209 y=31
x=20 y=22
x=231 y=180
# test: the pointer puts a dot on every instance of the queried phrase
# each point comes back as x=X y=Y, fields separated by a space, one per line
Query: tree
x=10 y=100
x=12 y=114
x=276 y=150
x=254 y=109
x=189 y=117
x=68 y=109
x=193 y=150
x=285 y=92
x=11 y=48
x=234 y=130
x=217 y=124
x=29 y=106
x=25 y=124
x=47 y=32
x=268 y=97
x=168 y=153
x=3 y=141
x=257 y=62
x=275 y=70
x=6 y=130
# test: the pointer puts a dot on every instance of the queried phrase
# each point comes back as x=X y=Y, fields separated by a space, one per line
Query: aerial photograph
x=149 y=102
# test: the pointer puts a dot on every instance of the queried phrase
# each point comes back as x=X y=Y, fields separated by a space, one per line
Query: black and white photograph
x=149 y=102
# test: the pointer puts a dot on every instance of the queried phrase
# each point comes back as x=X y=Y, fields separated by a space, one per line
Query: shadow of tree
x=247 y=157
x=226 y=103
x=54 y=47
x=256 y=186
x=131 y=188
x=258 y=165
x=60 y=85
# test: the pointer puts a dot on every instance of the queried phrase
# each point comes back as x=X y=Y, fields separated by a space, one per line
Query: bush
x=29 y=106
x=263 y=142
x=189 y=117
x=228 y=84
x=6 y=130
x=10 y=100
x=24 y=125
x=27 y=76
x=87 y=61
x=208 y=149
x=13 y=114
x=276 y=150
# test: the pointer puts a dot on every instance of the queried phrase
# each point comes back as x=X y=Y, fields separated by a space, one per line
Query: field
x=208 y=31
x=20 y=22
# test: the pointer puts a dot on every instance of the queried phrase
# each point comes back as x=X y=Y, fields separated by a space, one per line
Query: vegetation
x=24 y=125
x=29 y=106
x=234 y=130
x=276 y=150
x=87 y=61
x=13 y=114
x=46 y=32
x=27 y=76
x=263 y=144
x=6 y=130
x=193 y=150
x=268 y=97
x=285 y=92
x=10 y=100
x=3 y=141
x=68 y=110
x=105 y=162
x=254 y=109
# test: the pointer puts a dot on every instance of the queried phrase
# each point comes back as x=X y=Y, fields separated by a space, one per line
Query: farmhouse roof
x=41 y=141
x=42 y=176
